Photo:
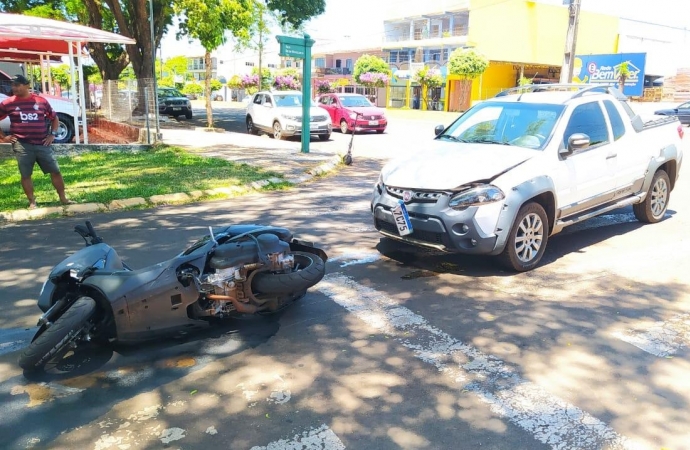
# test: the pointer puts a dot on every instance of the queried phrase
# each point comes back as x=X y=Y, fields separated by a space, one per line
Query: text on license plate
x=402 y=219
x=177 y=109
x=313 y=126
x=373 y=122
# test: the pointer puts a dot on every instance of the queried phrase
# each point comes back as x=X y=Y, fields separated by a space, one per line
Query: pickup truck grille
x=417 y=196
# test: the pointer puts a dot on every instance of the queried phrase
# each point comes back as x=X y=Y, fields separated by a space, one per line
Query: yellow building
x=528 y=37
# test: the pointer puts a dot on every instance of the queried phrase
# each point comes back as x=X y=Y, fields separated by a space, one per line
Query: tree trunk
x=207 y=90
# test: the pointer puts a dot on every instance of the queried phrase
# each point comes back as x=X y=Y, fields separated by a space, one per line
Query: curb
x=167 y=199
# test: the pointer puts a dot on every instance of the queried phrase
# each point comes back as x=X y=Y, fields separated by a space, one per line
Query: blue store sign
x=605 y=70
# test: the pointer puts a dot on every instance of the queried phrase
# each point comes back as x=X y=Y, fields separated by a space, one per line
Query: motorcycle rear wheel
x=51 y=342
x=310 y=270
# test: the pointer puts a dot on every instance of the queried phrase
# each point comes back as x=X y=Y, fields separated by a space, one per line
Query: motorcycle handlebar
x=95 y=239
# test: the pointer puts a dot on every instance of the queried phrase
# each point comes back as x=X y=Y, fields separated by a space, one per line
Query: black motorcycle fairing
x=147 y=302
x=224 y=234
x=88 y=257
x=236 y=253
x=45 y=298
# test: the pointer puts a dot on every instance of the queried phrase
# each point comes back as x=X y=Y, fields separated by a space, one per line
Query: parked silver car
x=279 y=113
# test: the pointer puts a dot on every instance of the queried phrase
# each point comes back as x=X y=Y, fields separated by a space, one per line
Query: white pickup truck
x=513 y=170
x=63 y=108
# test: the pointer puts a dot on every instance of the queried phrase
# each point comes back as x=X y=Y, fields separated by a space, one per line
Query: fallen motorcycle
x=238 y=269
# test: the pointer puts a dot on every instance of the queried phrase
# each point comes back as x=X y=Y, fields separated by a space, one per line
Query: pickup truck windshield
x=509 y=123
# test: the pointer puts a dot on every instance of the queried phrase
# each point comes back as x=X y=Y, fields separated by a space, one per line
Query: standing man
x=29 y=136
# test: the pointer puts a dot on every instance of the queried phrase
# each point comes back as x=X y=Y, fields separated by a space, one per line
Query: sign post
x=300 y=48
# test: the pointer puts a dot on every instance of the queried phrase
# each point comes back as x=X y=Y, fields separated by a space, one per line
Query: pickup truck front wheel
x=654 y=206
x=527 y=241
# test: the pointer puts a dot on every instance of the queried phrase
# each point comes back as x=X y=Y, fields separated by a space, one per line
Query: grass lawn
x=101 y=177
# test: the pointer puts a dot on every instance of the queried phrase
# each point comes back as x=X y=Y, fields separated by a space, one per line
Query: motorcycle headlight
x=478 y=195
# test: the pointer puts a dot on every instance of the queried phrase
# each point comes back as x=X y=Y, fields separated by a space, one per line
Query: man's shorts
x=29 y=154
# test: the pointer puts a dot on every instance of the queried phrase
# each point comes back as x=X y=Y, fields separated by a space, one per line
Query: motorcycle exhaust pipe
x=239 y=306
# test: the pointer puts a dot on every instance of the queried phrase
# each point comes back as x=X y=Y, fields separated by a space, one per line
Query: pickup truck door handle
x=611 y=156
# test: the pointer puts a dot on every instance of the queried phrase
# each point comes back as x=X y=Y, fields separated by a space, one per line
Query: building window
x=393 y=57
x=320 y=62
x=297 y=64
x=271 y=66
x=288 y=63
x=445 y=54
x=249 y=64
x=434 y=55
x=348 y=63
x=403 y=57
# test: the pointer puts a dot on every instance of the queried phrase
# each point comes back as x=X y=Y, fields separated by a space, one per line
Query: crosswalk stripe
x=322 y=438
x=551 y=420
x=662 y=339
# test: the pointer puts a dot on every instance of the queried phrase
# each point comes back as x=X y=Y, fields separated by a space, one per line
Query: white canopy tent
x=26 y=38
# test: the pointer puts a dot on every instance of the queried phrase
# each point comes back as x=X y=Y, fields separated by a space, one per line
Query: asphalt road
x=396 y=348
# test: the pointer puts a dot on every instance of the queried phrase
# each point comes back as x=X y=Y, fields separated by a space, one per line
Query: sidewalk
x=283 y=157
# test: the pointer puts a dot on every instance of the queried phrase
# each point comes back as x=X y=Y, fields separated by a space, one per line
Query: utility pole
x=570 y=40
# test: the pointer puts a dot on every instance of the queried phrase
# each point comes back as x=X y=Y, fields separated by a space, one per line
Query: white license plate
x=373 y=122
x=402 y=219
x=177 y=109
x=313 y=126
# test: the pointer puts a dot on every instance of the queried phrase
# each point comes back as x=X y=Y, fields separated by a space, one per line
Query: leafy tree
x=623 y=74
x=235 y=82
x=468 y=65
x=370 y=64
x=216 y=85
x=177 y=65
x=290 y=72
x=207 y=21
x=167 y=81
x=428 y=78
x=193 y=88
x=266 y=77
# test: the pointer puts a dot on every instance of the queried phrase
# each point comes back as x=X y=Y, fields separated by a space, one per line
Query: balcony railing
x=321 y=71
x=419 y=35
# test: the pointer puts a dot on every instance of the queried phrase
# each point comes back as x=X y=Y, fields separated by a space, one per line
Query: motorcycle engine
x=220 y=283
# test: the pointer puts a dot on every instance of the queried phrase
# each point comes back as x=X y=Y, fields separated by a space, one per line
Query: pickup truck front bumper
x=435 y=225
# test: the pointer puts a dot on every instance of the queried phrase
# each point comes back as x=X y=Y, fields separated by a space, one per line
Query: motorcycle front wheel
x=308 y=270
x=55 y=339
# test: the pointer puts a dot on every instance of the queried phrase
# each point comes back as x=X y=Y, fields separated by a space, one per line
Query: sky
x=360 y=22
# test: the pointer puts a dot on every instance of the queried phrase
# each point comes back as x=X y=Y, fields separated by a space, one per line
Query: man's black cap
x=20 y=79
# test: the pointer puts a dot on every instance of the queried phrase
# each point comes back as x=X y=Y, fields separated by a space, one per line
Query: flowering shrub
x=286 y=83
x=250 y=81
x=430 y=78
x=324 y=87
x=373 y=79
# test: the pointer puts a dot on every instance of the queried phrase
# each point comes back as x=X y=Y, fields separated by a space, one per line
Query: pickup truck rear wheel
x=527 y=240
x=65 y=131
x=654 y=206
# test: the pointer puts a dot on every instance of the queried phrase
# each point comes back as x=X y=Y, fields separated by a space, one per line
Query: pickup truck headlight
x=478 y=195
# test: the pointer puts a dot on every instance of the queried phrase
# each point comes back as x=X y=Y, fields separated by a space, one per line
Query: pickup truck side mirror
x=576 y=141
x=439 y=129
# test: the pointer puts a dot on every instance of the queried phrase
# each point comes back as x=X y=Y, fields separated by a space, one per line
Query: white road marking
x=351 y=259
x=322 y=438
x=551 y=420
x=661 y=339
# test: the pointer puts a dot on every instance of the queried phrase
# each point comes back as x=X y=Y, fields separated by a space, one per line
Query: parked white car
x=518 y=168
x=279 y=113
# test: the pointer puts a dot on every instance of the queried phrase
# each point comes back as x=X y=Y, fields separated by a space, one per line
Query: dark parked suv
x=173 y=103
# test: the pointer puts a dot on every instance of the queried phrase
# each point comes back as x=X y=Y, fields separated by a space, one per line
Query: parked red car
x=342 y=109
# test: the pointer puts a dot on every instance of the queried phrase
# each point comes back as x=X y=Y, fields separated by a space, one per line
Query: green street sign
x=292 y=50
x=301 y=48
